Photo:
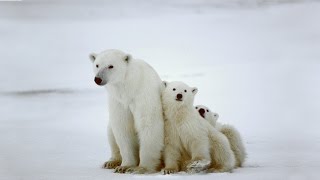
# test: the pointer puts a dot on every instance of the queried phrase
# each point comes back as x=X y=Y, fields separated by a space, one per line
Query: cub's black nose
x=98 y=80
x=179 y=96
x=202 y=111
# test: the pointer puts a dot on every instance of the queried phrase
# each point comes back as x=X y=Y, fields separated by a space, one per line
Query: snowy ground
x=256 y=63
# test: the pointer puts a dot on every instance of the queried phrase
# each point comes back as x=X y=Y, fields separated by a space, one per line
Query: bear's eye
x=97 y=65
x=207 y=110
x=185 y=90
x=110 y=67
x=174 y=89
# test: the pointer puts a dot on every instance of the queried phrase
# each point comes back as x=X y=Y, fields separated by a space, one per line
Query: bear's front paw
x=198 y=166
x=111 y=164
x=121 y=169
x=169 y=171
x=137 y=170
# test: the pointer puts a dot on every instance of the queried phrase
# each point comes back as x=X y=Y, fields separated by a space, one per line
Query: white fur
x=229 y=131
x=190 y=145
x=136 y=126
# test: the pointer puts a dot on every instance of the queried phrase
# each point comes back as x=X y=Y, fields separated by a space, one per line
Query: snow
x=255 y=64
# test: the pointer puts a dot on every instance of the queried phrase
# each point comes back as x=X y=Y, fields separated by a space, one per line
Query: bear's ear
x=92 y=57
x=165 y=84
x=194 y=90
x=127 y=58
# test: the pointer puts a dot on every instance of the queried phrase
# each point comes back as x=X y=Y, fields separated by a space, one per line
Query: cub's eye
x=97 y=65
x=207 y=110
x=196 y=107
x=110 y=67
x=185 y=90
x=174 y=89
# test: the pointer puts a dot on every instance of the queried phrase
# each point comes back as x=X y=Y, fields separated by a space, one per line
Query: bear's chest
x=120 y=94
x=189 y=131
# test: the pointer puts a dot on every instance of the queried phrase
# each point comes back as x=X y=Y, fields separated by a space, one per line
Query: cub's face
x=206 y=113
x=110 y=66
x=178 y=93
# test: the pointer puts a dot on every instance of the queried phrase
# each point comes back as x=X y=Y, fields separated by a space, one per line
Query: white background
x=254 y=62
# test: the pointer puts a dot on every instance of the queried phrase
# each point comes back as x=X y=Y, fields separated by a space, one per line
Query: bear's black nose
x=179 y=96
x=202 y=111
x=98 y=80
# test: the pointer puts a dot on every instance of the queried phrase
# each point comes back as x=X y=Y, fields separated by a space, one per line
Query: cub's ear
x=92 y=57
x=164 y=84
x=127 y=58
x=194 y=90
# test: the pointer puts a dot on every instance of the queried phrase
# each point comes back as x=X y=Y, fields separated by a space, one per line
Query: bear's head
x=177 y=94
x=109 y=66
x=207 y=114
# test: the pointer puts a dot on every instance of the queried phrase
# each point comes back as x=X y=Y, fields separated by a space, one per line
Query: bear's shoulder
x=140 y=69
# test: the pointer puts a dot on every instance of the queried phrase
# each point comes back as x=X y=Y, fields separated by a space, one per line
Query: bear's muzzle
x=98 y=80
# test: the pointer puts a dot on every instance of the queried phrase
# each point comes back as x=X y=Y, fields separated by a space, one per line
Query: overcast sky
x=81 y=9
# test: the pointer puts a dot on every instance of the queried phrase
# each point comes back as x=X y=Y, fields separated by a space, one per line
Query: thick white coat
x=191 y=144
x=229 y=131
x=136 y=126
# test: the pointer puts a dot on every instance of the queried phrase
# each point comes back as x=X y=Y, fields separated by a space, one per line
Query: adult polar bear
x=136 y=126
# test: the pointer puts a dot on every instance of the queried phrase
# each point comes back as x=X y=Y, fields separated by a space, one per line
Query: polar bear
x=207 y=114
x=229 y=131
x=189 y=145
x=136 y=125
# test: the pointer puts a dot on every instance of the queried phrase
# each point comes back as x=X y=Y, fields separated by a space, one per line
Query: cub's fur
x=190 y=143
x=229 y=131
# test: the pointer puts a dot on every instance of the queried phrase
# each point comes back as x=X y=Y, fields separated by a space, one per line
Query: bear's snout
x=202 y=111
x=179 y=97
x=98 y=80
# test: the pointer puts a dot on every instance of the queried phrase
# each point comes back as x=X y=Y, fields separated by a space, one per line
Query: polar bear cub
x=229 y=131
x=189 y=145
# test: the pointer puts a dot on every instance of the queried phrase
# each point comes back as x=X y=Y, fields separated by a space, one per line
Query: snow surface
x=256 y=63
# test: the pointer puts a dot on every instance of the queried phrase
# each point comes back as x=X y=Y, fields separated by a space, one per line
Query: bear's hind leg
x=223 y=159
x=236 y=143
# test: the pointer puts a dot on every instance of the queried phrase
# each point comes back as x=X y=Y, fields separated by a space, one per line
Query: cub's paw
x=198 y=166
x=111 y=164
x=121 y=169
x=138 y=170
x=169 y=171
